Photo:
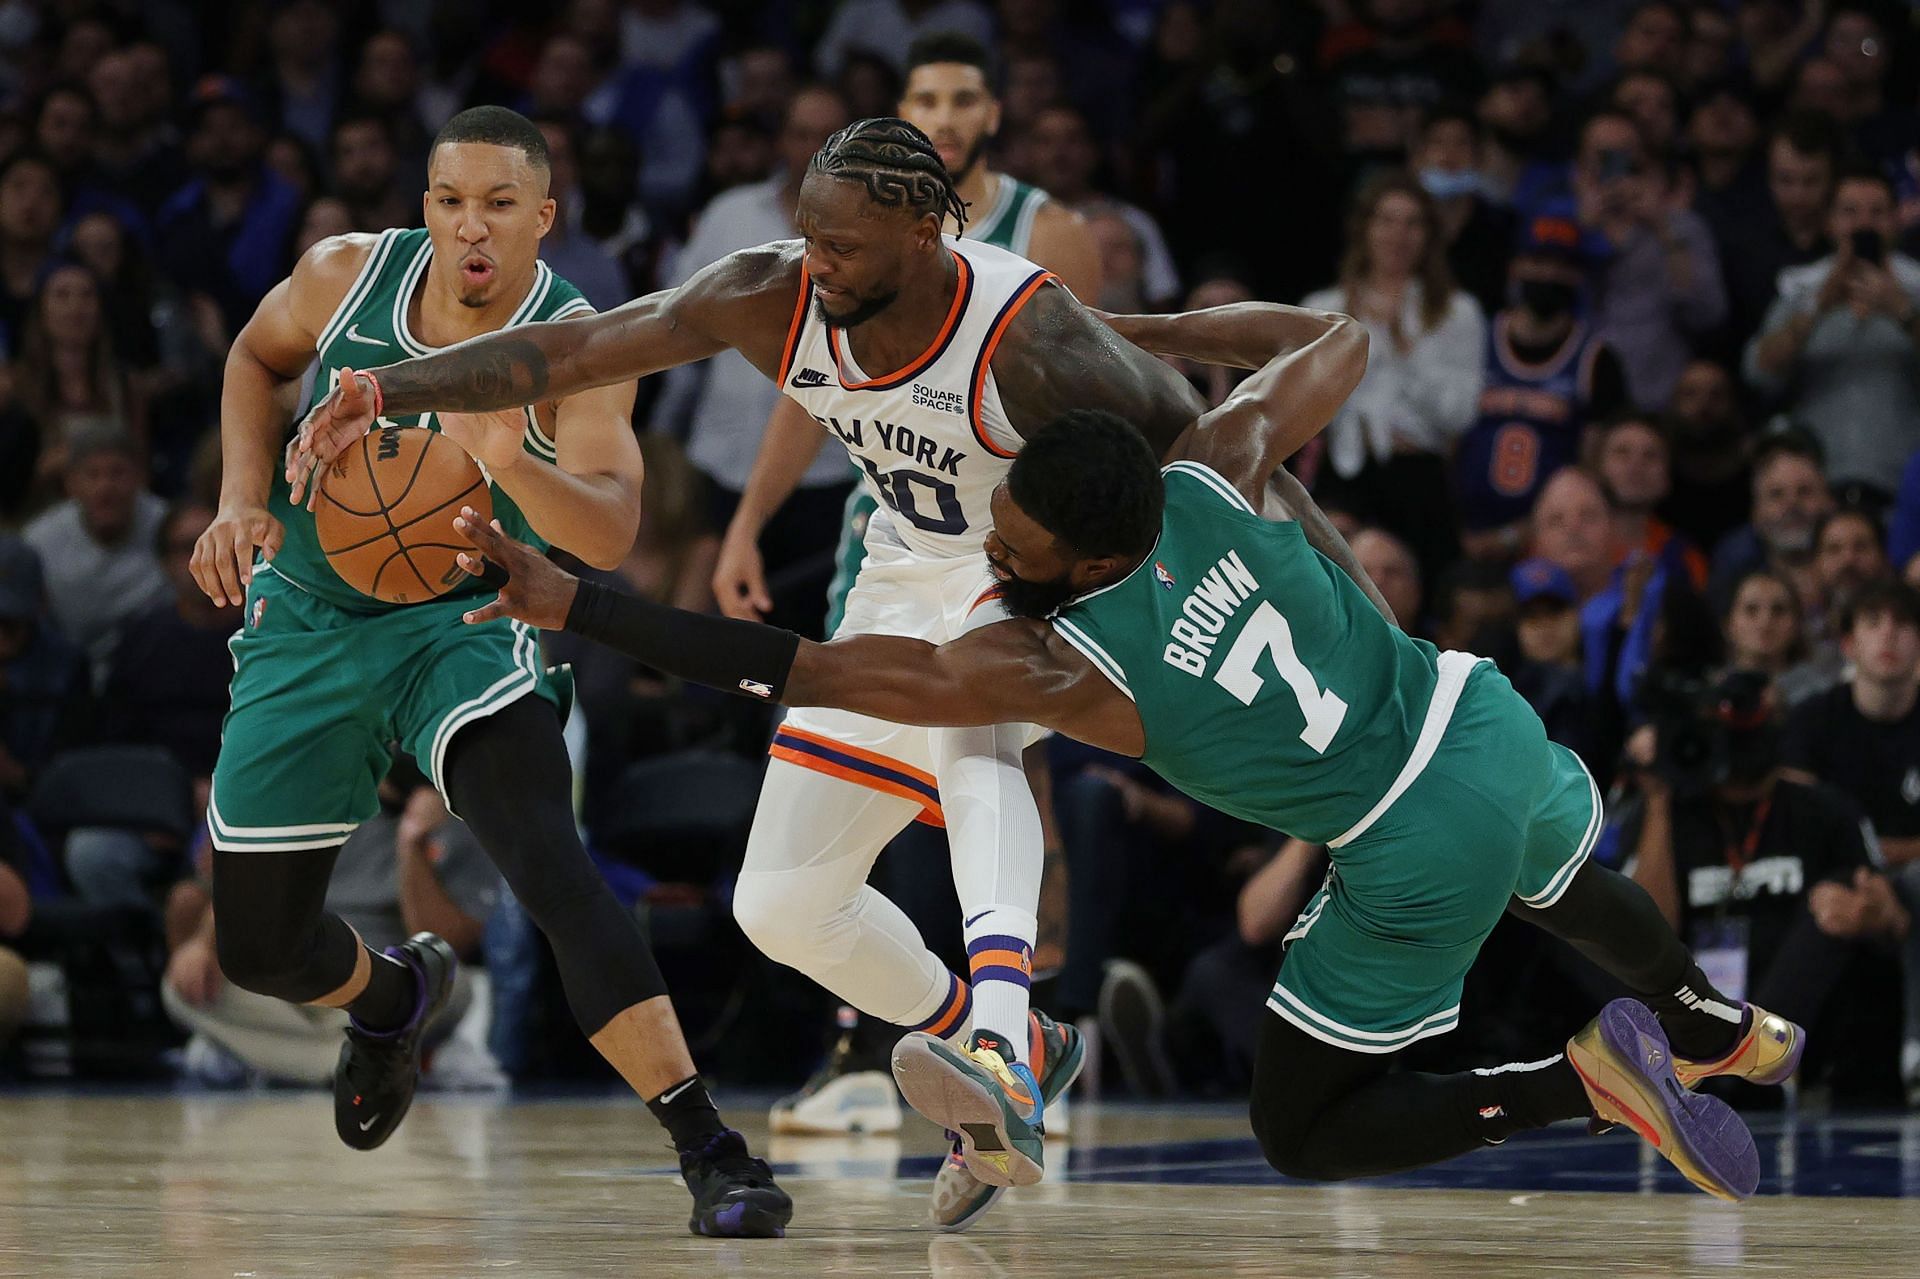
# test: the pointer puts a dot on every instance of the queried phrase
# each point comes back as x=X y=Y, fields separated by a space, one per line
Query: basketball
x=385 y=516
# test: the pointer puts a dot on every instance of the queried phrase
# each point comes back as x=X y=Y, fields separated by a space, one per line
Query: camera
x=1709 y=732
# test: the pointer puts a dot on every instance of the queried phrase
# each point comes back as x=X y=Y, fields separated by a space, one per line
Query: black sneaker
x=733 y=1193
x=373 y=1084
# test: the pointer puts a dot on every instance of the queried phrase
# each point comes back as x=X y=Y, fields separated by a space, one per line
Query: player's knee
x=765 y=917
x=259 y=960
x=1283 y=1143
x=781 y=916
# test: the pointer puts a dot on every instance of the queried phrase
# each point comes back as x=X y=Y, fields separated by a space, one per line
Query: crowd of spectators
x=1641 y=422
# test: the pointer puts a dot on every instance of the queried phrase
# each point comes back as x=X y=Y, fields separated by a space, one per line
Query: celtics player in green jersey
x=1167 y=620
x=326 y=679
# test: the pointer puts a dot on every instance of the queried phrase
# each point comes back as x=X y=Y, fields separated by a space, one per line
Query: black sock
x=1509 y=1099
x=391 y=998
x=1701 y=1023
x=687 y=1113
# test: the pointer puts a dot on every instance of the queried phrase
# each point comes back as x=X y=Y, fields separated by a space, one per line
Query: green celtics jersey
x=1268 y=685
x=369 y=329
x=1008 y=224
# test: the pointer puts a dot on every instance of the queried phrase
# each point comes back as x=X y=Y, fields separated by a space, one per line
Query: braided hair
x=897 y=164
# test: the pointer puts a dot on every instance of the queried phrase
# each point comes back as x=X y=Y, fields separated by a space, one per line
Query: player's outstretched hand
x=346 y=414
x=532 y=587
x=222 y=562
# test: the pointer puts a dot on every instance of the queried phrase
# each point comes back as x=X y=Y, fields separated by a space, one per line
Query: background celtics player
x=327 y=678
x=1158 y=615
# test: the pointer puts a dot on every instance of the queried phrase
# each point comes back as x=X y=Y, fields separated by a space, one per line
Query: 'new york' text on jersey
x=932 y=438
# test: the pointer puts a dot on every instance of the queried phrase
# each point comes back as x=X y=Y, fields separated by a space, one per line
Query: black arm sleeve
x=732 y=656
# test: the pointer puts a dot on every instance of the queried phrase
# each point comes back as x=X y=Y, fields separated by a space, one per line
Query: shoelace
x=726 y=1153
x=376 y=1062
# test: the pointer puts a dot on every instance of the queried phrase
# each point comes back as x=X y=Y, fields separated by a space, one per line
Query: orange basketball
x=385 y=516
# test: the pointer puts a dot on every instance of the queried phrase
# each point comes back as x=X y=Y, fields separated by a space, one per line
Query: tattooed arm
x=1058 y=356
x=744 y=301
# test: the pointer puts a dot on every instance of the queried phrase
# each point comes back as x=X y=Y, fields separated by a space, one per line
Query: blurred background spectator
x=1388 y=447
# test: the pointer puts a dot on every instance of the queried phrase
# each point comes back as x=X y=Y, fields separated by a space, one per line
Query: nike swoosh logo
x=370 y=1123
x=667 y=1097
x=353 y=335
x=976 y=919
x=808 y=377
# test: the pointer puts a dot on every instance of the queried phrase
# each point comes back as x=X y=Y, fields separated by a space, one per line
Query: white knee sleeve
x=803 y=898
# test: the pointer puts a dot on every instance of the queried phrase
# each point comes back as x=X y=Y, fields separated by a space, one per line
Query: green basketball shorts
x=319 y=693
x=1495 y=813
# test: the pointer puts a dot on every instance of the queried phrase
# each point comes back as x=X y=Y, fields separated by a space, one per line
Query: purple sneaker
x=1625 y=1062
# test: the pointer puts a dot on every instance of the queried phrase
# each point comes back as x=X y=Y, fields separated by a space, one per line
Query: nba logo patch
x=1162 y=576
x=259 y=611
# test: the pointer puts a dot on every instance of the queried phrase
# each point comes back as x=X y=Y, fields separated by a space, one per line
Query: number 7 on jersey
x=1267 y=631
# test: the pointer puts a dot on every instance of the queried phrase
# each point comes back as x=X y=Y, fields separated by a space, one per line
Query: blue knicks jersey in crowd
x=1528 y=427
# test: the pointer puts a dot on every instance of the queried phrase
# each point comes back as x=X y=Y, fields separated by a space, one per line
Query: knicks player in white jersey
x=930 y=358
x=949 y=96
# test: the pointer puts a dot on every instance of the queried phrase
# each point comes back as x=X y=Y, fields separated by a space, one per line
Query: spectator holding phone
x=1838 y=347
x=1656 y=272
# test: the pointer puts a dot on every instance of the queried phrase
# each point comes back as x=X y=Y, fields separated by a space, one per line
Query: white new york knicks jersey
x=932 y=438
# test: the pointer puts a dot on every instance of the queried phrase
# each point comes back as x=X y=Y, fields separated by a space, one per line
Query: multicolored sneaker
x=959 y=1197
x=1767 y=1054
x=992 y=1106
x=1625 y=1062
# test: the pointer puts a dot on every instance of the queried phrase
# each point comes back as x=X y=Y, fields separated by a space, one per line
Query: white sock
x=1000 y=955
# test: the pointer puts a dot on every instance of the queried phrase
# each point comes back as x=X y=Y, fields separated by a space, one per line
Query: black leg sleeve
x=1323 y=1113
x=1613 y=922
x=508 y=778
x=271 y=928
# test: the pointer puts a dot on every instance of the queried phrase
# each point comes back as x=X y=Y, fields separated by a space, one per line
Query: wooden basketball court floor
x=255 y=1186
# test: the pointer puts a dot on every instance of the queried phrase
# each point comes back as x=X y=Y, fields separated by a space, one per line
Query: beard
x=1037 y=600
x=971 y=159
x=864 y=311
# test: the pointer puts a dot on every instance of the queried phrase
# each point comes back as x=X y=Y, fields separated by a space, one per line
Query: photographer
x=1767 y=877
x=1863 y=738
x=1838 y=345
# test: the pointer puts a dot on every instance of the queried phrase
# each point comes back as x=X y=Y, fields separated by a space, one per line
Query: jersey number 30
x=1267 y=632
x=902 y=490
